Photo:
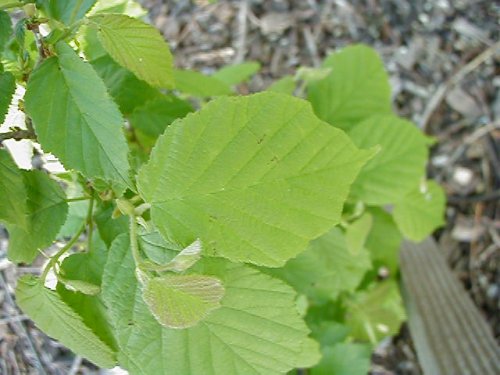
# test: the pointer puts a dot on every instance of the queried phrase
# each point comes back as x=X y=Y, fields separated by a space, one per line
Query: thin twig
x=17 y=135
x=441 y=91
x=242 y=32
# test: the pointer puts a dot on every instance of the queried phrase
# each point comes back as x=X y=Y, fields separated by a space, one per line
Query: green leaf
x=357 y=232
x=126 y=89
x=180 y=262
x=384 y=241
x=375 y=313
x=344 y=359
x=5 y=32
x=326 y=268
x=257 y=329
x=138 y=47
x=328 y=332
x=109 y=228
x=356 y=88
x=198 y=84
x=399 y=165
x=129 y=7
x=255 y=178
x=81 y=286
x=6 y=4
x=59 y=321
x=7 y=88
x=47 y=210
x=13 y=207
x=67 y=11
x=421 y=211
x=155 y=115
x=285 y=85
x=75 y=119
x=182 y=301
x=235 y=74
x=88 y=268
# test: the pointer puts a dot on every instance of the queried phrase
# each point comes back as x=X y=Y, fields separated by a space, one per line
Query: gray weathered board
x=450 y=335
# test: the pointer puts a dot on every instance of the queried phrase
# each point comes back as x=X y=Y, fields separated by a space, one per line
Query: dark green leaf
x=7 y=88
x=67 y=11
x=344 y=359
x=5 y=31
x=47 y=210
x=13 y=205
x=75 y=119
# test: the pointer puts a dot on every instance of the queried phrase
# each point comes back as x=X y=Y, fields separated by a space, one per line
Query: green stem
x=90 y=221
x=133 y=241
x=77 y=199
x=57 y=255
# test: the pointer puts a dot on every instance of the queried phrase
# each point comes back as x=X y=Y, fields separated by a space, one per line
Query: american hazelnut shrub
x=195 y=231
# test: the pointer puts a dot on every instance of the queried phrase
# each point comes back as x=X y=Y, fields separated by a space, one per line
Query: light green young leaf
x=375 y=313
x=138 y=47
x=182 y=301
x=5 y=33
x=154 y=116
x=257 y=329
x=356 y=88
x=344 y=359
x=421 y=211
x=88 y=268
x=126 y=89
x=285 y=85
x=47 y=210
x=309 y=75
x=81 y=286
x=181 y=261
x=399 y=165
x=7 y=88
x=384 y=241
x=235 y=74
x=13 y=207
x=67 y=11
x=326 y=268
x=75 y=119
x=59 y=321
x=198 y=84
x=255 y=178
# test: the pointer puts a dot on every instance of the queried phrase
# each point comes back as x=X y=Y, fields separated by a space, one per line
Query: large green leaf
x=88 y=268
x=344 y=359
x=375 y=313
x=67 y=11
x=13 y=208
x=181 y=301
x=5 y=31
x=7 y=88
x=197 y=84
x=326 y=268
x=255 y=178
x=421 y=211
x=75 y=119
x=237 y=73
x=138 y=47
x=399 y=165
x=257 y=330
x=47 y=210
x=356 y=88
x=59 y=321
